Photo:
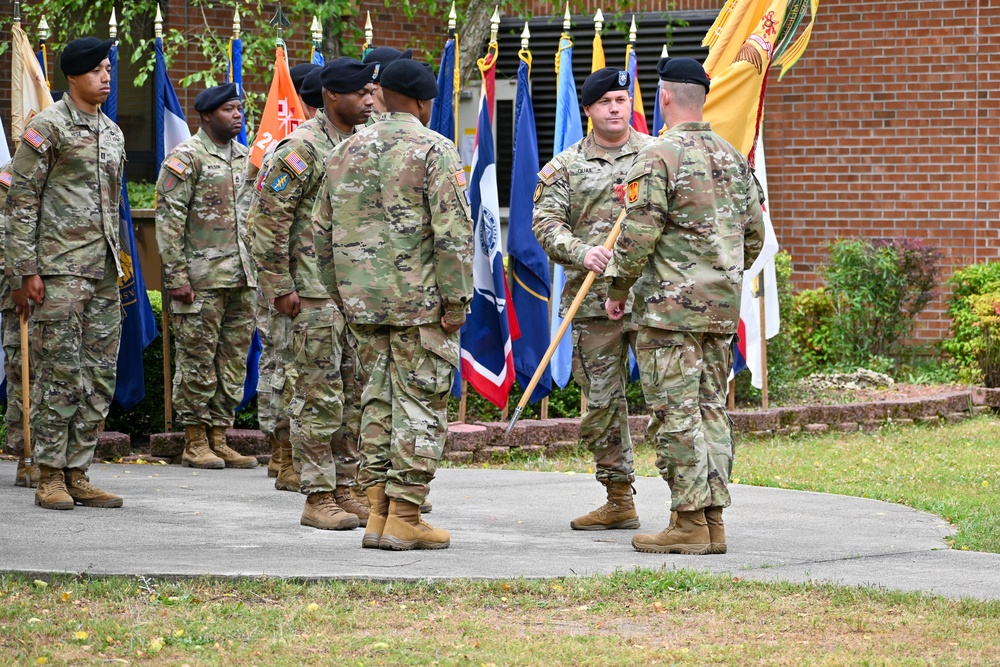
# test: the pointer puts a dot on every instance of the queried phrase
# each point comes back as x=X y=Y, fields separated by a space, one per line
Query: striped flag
x=171 y=127
x=638 y=120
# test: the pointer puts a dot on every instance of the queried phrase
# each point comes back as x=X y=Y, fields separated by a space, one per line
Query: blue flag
x=317 y=56
x=569 y=130
x=526 y=259
x=657 y=115
x=442 y=109
x=236 y=76
x=171 y=127
x=139 y=323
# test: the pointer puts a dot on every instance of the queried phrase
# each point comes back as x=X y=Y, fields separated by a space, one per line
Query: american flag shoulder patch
x=6 y=178
x=461 y=179
x=178 y=167
x=34 y=138
x=548 y=171
x=295 y=163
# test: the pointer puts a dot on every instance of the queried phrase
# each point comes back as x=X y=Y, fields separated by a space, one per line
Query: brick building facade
x=886 y=127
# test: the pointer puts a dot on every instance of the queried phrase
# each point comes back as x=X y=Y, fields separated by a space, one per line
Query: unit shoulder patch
x=280 y=182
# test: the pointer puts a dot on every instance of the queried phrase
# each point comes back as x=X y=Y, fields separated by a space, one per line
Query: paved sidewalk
x=180 y=522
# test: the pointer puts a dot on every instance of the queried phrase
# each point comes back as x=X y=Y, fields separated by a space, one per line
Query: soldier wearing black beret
x=384 y=56
x=683 y=70
x=63 y=249
x=603 y=81
x=311 y=91
x=299 y=74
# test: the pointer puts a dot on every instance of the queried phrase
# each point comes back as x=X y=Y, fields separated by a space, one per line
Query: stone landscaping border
x=476 y=443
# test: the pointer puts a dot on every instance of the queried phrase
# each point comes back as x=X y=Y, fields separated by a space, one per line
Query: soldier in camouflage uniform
x=575 y=209
x=208 y=271
x=11 y=302
x=62 y=248
x=285 y=248
x=694 y=224
x=382 y=57
x=395 y=202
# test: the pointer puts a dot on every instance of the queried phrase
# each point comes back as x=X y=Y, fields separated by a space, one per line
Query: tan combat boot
x=618 y=512
x=288 y=479
x=323 y=512
x=197 y=453
x=378 y=512
x=716 y=531
x=688 y=534
x=344 y=495
x=233 y=459
x=22 y=479
x=405 y=530
x=84 y=493
x=274 y=465
x=51 y=490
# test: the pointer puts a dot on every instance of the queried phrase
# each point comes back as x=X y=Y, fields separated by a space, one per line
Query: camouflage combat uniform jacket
x=281 y=211
x=64 y=212
x=575 y=209
x=694 y=224
x=202 y=242
x=405 y=258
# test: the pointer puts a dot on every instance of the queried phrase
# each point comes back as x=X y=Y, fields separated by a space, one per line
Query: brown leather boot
x=323 y=512
x=687 y=535
x=344 y=495
x=378 y=512
x=274 y=465
x=288 y=479
x=618 y=512
x=51 y=490
x=84 y=493
x=716 y=531
x=23 y=478
x=197 y=453
x=232 y=458
x=405 y=530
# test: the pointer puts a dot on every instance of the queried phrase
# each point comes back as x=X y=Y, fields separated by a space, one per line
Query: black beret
x=384 y=55
x=345 y=75
x=410 y=78
x=683 y=70
x=603 y=81
x=84 y=54
x=311 y=90
x=213 y=98
x=299 y=74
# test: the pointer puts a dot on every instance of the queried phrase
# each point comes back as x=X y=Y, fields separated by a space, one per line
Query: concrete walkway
x=180 y=522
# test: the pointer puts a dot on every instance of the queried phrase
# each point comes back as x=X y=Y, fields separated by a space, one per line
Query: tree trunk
x=472 y=36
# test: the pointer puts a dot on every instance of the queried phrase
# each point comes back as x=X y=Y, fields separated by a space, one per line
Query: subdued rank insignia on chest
x=633 y=192
x=178 y=167
x=34 y=138
x=295 y=163
x=280 y=182
x=6 y=178
x=461 y=179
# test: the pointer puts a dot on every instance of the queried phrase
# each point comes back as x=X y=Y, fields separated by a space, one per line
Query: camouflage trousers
x=685 y=380
x=274 y=330
x=347 y=438
x=212 y=338
x=404 y=418
x=601 y=369
x=11 y=332
x=316 y=408
x=74 y=350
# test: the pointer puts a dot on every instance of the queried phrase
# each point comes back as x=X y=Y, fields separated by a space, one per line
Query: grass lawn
x=628 y=619
x=952 y=471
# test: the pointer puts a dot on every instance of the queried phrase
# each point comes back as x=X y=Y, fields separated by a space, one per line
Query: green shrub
x=810 y=328
x=878 y=288
x=141 y=194
x=966 y=332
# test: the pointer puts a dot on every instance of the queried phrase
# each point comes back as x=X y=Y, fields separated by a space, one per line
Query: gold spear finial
x=566 y=18
x=452 y=19
x=43 y=27
x=158 y=22
x=112 y=27
x=598 y=22
x=236 y=23
x=495 y=24
x=525 y=36
x=632 y=31
x=369 y=31
x=316 y=29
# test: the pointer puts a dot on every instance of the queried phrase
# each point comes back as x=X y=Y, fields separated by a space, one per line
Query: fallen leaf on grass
x=81 y=635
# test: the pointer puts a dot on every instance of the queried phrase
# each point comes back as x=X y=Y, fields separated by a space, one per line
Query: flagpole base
x=513 y=420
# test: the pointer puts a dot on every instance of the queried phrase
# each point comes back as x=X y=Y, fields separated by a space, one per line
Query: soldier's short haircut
x=687 y=95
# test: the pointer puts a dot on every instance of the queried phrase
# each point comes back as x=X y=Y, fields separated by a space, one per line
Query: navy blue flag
x=236 y=76
x=528 y=263
x=443 y=107
x=139 y=323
